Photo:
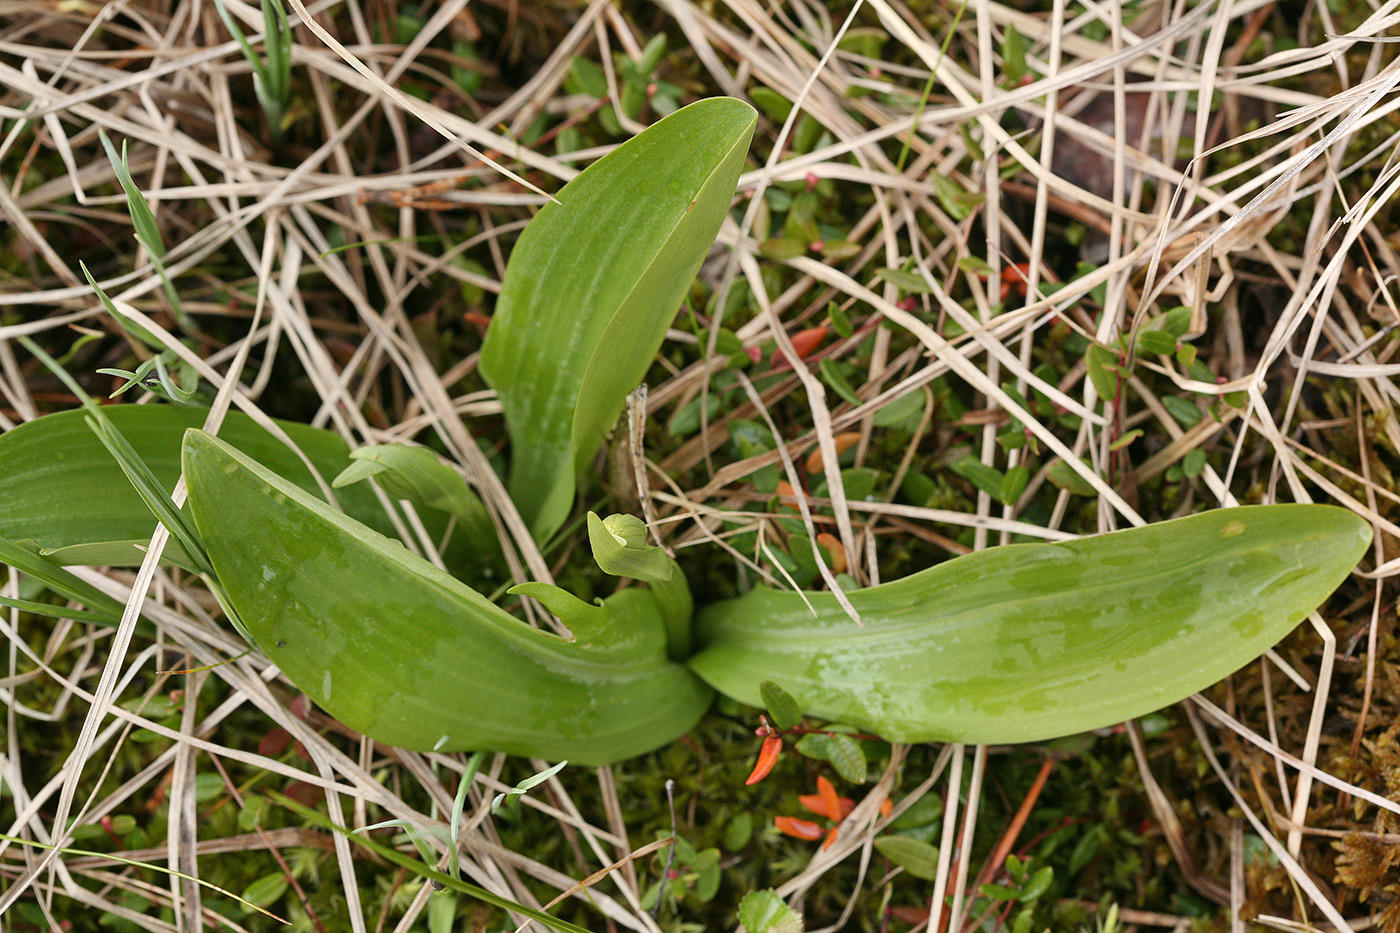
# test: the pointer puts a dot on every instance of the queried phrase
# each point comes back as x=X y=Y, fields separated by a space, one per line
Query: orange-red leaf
x=836 y=551
x=787 y=495
x=815 y=804
x=829 y=797
x=805 y=342
x=767 y=758
x=802 y=829
x=844 y=442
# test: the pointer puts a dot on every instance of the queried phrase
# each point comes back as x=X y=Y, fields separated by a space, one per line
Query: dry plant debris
x=912 y=195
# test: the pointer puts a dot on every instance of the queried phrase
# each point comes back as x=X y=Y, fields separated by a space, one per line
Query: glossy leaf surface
x=61 y=489
x=1028 y=642
x=399 y=650
x=592 y=285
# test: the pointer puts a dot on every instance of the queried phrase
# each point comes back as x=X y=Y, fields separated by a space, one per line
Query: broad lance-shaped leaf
x=592 y=285
x=1032 y=641
x=61 y=489
x=406 y=654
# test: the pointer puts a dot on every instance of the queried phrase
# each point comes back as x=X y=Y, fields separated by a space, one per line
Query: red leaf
x=767 y=758
x=805 y=342
x=275 y=742
x=802 y=829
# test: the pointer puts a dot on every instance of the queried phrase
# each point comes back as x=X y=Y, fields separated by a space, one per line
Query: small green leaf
x=1185 y=412
x=1127 y=438
x=1194 y=463
x=1155 y=343
x=976 y=265
x=839 y=321
x=814 y=746
x=587 y=77
x=1102 y=366
x=266 y=891
x=775 y=106
x=738 y=831
x=957 y=201
x=1013 y=484
x=1176 y=321
x=766 y=912
x=831 y=374
x=988 y=479
x=847 y=757
x=913 y=855
x=782 y=247
x=911 y=282
x=1013 y=55
x=859 y=483
x=900 y=411
x=251 y=814
x=1038 y=884
x=783 y=709
x=1067 y=478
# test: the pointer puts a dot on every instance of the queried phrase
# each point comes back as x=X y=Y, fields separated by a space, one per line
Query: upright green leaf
x=1032 y=641
x=401 y=651
x=591 y=287
x=620 y=547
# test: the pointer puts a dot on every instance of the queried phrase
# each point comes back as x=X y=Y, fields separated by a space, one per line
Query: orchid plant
x=1010 y=644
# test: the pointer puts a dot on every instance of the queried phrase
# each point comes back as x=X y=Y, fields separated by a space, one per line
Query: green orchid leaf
x=620 y=547
x=592 y=285
x=61 y=489
x=416 y=474
x=404 y=653
x=1032 y=641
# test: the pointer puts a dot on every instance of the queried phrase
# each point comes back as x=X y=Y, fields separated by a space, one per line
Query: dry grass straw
x=175 y=96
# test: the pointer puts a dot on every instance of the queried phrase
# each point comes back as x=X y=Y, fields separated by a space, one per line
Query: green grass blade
x=60 y=581
x=1033 y=641
x=48 y=610
x=126 y=323
x=249 y=54
x=156 y=499
x=142 y=219
x=399 y=650
x=277 y=33
x=591 y=287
